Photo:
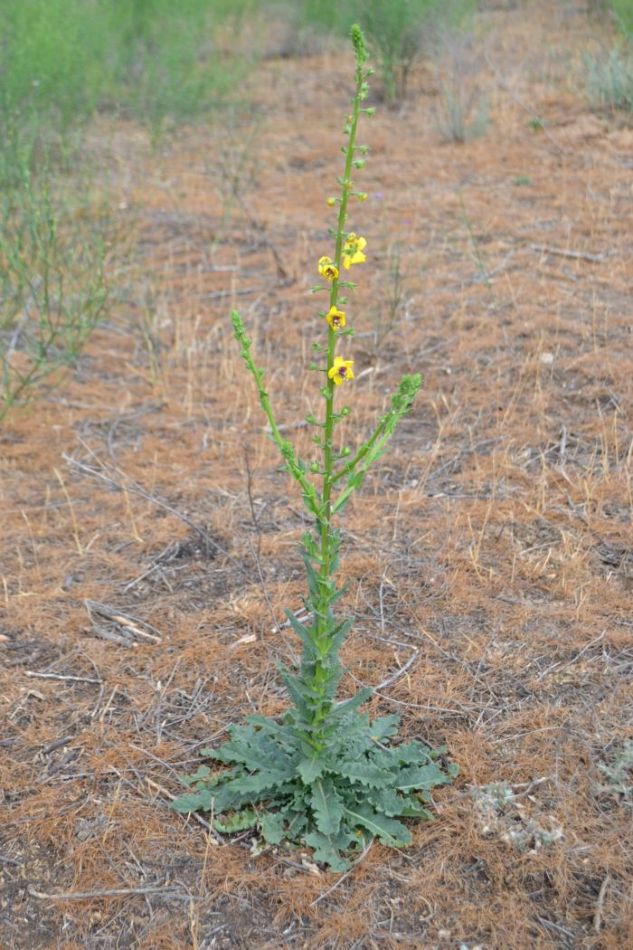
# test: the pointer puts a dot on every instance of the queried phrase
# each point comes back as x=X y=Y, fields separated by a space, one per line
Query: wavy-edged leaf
x=202 y=774
x=386 y=800
x=252 y=750
x=237 y=822
x=263 y=780
x=413 y=753
x=272 y=828
x=385 y=727
x=201 y=800
x=310 y=769
x=303 y=632
x=421 y=777
x=296 y=689
x=326 y=851
x=395 y=804
x=363 y=772
x=296 y=824
x=339 y=633
x=300 y=692
x=326 y=806
x=282 y=735
x=246 y=789
x=413 y=808
x=349 y=705
x=389 y=830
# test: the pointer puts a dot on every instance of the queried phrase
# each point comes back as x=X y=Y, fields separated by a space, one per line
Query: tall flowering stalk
x=325 y=776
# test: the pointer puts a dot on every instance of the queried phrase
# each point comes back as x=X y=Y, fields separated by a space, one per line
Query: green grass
x=623 y=12
x=397 y=31
x=52 y=286
x=60 y=60
x=609 y=78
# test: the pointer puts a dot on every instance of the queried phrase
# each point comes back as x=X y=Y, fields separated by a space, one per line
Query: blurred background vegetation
x=60 y=60
x=163 y=62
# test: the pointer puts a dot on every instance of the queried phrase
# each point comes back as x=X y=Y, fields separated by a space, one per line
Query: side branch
x=286 y=449
x=373 y=448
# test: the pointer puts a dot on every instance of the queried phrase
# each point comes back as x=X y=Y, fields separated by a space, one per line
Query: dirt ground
x=149 y=538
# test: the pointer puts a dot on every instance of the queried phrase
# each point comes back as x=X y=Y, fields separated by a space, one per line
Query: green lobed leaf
x=237 y=822
x=361 y=771
x=413 y=753
x=385 y=727
x=272 y=828
x=341 y=710
x=193 y=801
x=202 y=775
x=327 y=806
x=305 y=634
x=310 y=769
x=389 y=830
x=393 y=803
x=263 y=780
x=281 y=734
x=386 y=800
x=421 y=777
x=326 y=851
x=296 y=825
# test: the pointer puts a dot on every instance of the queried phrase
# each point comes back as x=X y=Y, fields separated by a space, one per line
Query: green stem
x=323 y=611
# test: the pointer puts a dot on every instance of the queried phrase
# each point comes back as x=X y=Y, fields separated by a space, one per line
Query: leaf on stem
x=327 y=806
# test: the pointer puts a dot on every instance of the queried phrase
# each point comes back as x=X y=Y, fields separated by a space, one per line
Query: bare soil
x=150 y=538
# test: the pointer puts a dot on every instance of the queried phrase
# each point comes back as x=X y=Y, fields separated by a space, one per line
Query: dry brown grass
x=494 y=541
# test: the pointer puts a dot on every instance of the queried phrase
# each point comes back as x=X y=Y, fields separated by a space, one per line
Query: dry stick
x=552 y=926
x=55 y=744
x=222 y=294
x=129 y=623
x=576 y=255
x=89 y=895
x=58 y=676
x=403 y=669
x=558 y=666
x=150 y=570
x=597 y=917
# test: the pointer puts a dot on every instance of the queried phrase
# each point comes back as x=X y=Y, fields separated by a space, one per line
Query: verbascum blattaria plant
x=324 y=776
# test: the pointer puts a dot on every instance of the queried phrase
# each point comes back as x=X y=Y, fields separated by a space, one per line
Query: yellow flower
x=327 y=268
x=353 y=250
x=335 y=318
x=331 y=202
x=341 y=370
x=362 y=195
